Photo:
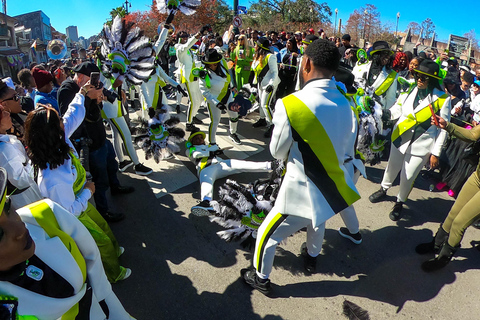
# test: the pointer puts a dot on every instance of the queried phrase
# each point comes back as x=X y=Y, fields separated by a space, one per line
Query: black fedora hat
x=309 y=39
x=380 y=46
x=429 y=68
x=346 y=77
x=212 y=56
x=263 y=43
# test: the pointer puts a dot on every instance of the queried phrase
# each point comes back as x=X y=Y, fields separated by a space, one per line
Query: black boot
x=441 y=260
x=435 y=245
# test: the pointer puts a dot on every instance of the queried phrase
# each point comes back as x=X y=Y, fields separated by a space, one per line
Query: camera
x=110 y=95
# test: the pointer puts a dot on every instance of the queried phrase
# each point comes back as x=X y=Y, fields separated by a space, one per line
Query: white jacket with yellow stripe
x=54 y=253
x=422 y=142
x=313 y=131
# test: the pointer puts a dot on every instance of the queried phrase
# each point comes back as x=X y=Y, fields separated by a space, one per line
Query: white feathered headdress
x=187 y=7
x=126 y=51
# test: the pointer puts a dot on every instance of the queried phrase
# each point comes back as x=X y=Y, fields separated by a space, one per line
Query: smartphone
x=95 y=79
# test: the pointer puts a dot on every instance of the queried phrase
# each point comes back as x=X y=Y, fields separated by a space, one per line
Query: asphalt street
x=183 y=270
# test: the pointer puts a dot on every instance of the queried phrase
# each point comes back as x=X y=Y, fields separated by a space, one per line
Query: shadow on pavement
x=385 y=268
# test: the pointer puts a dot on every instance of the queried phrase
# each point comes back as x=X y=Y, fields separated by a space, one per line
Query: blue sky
x=89 y=15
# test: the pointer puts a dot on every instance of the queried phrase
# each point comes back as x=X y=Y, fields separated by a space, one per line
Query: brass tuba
x=56 y=49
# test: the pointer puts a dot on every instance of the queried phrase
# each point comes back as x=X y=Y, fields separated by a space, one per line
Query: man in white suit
x=312 y=133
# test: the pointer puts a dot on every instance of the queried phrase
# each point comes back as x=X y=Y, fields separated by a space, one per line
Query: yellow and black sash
x=419 y=122
x=387 y=83
x=262 y=68
x=321 y=164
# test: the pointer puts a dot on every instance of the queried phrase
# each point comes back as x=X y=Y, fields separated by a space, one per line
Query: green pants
x=464 y=212
x=105 y=240
x=241 y=77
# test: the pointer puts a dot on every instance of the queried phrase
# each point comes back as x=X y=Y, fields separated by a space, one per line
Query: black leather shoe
x=250 y=277
x=121 y=190
x=113 y=217
x=260 y=123
x=309 y=262
x=378 y=196
x=396 y=212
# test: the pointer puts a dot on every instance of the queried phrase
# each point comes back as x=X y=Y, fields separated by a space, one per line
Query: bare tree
x=428 y=28
x=472 y=36
x=414 y=28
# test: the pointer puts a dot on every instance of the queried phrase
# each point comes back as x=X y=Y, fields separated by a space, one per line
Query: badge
x=34 y=273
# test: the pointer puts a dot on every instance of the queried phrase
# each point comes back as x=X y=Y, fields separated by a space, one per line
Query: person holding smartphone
x=215 y=85
x=414 y=141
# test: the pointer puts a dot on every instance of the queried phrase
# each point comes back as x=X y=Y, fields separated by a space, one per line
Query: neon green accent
x=2 y=203
x=225 y=89
x=46 y=219
x=121 y=135
x=191 y=151
x=311 y=130
x=259 y=67
x=419 y=117
x=261 y=241
x=386 y=84
x=81 y=174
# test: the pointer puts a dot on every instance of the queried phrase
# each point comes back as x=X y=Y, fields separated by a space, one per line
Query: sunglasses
x=16 y=97
x=419 y=76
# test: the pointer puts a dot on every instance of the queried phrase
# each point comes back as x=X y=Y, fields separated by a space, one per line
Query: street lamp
x=335 y=30
x=127 y=5
x=365 y=25
x=396 y=28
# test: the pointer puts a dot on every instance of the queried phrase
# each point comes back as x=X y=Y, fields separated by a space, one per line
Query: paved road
x=182 y=270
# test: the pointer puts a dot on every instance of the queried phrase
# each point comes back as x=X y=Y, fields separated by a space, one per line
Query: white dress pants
x=409 y=167
x=121 y=132
x=274 y=229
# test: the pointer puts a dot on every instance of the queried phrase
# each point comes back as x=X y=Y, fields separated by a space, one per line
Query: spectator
x=44 y=81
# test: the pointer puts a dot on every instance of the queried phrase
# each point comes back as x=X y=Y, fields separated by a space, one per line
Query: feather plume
x=140 y=43
x=117 y=27
x=354 y=312
x=140 y=54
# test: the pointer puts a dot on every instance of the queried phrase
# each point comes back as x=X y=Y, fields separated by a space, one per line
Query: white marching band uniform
x=269 y=79
x=307 y=133
x=410 y=152
x=186 y=62
x=213 y=93
x=388 y=97
x=218 y=168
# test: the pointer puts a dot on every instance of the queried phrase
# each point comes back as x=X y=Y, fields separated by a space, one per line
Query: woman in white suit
x=265 y=71
x=414 y=140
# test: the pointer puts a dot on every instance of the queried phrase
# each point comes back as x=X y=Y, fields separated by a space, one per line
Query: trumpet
x=56 y=49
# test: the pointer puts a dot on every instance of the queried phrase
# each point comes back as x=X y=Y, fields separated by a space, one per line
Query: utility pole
x=235 y=8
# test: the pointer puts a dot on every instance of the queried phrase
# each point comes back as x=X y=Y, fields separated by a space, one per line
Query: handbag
x=472 y=153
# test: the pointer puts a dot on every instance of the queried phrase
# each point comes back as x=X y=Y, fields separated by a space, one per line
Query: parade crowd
x=326 y=107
